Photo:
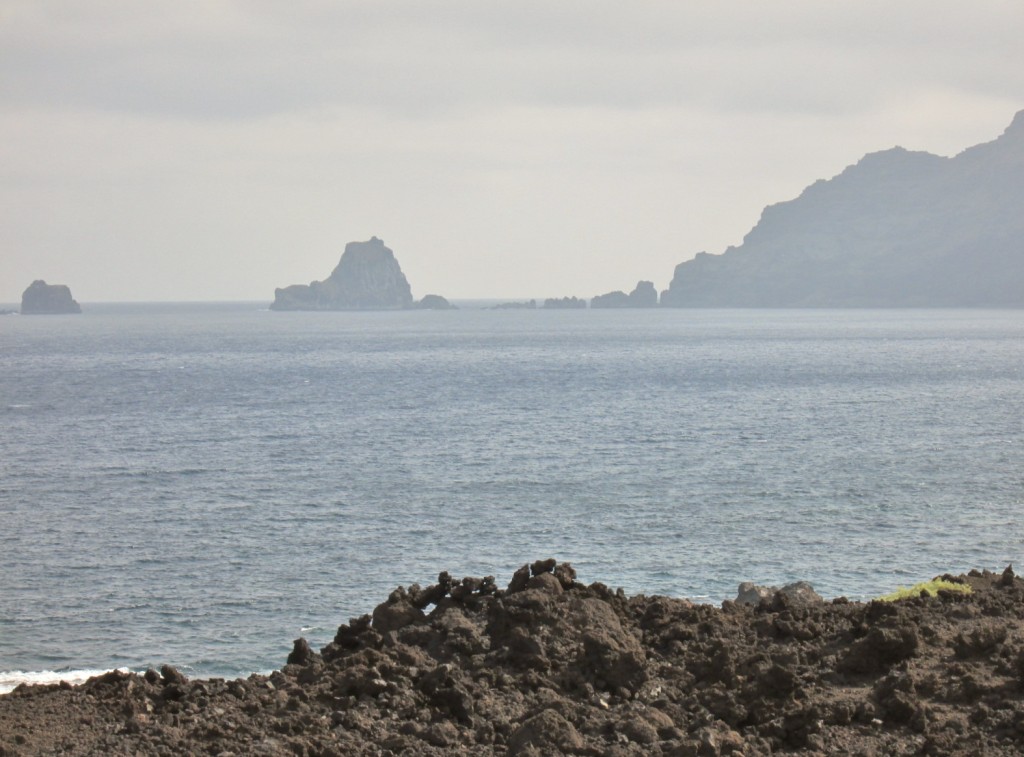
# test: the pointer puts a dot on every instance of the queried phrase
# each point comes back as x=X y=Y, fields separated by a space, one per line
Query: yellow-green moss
x=931 y=587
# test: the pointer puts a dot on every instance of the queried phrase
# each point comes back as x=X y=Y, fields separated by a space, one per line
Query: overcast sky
x=214 y=150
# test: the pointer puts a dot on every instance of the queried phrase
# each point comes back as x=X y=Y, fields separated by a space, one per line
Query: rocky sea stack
x=48 y=299
x=367 y=277
x=549 y=665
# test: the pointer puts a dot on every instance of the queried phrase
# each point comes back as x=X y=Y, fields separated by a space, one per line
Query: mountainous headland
x=897 y=229
x=549 y=665
x=367 y=277
x=48 y=299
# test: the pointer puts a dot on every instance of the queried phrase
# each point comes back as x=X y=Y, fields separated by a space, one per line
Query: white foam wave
x=11 y=679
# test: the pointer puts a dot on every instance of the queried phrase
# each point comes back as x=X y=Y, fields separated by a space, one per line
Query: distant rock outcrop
x=564 y=303
x=528 y=305
x=434 y=302
x=898 y=229
x=367 y=277
x=643 y=296
x=47 y=299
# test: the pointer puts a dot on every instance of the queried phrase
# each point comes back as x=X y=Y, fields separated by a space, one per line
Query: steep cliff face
x=44 y=299
x=367 y=277
x=898 y=229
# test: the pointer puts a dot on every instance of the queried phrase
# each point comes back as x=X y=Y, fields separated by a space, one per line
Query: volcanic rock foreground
x=551 y=666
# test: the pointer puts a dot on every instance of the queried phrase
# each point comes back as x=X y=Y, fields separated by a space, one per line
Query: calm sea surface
x=201 y=484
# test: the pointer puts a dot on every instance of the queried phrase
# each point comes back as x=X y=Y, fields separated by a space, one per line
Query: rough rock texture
x=898 y=229
x=45 y=299
x=367 y=277
x=798 y=592
x=550 y=666
x=644 y=295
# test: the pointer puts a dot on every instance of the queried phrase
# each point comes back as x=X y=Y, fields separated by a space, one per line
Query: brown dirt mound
x=551 y=666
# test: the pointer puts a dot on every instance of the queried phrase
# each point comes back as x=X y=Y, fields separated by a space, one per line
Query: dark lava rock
x=301 y=654
x=171 y=675
x=797 y=593
x=880 y=649
x=48 y=299
x=548 y=732
x=550 y=666
x=398 y=612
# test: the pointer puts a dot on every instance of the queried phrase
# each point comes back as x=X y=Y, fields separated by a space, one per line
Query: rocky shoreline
x=549 y=665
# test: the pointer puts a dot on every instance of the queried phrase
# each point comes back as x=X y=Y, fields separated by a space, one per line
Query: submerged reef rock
x=367 y=277
x=47 y=299
x=643 y=296
x=549 y=665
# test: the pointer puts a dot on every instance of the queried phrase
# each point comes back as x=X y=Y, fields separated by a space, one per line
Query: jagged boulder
x=798 y=593
x=44 y=299
x=367 y=277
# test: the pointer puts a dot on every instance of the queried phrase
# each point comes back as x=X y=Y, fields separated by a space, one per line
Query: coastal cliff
x=897 y=229
x=367 y=277
x=48 y=299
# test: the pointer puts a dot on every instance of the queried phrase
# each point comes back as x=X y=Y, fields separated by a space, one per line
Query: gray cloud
x=239 y=60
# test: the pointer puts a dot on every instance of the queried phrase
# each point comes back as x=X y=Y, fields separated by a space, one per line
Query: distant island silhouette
x=367 y=277
x=897 y=229
x=48 y=299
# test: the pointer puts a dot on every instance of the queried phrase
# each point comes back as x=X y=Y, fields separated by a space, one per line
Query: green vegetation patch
x=932 y=588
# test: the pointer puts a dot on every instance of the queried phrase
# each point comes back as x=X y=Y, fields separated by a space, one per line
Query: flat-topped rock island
x=48 y=299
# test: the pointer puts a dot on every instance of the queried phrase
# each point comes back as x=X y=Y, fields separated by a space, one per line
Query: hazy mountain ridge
x=897 y=229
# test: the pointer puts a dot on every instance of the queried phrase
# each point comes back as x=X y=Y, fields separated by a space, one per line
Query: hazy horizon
x=197 y=152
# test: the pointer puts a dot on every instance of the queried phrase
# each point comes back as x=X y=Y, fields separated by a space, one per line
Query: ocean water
x=201 y=484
